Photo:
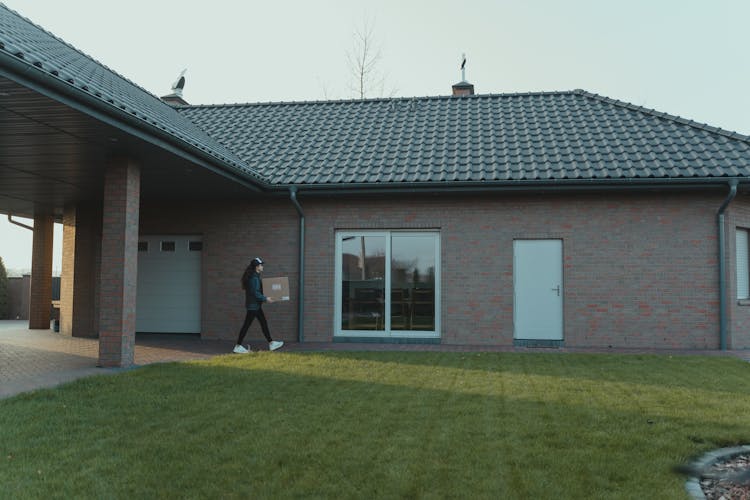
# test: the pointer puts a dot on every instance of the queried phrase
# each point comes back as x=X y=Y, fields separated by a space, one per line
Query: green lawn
x=377 y=425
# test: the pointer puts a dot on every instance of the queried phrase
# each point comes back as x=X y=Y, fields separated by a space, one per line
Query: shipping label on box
x=276 y=288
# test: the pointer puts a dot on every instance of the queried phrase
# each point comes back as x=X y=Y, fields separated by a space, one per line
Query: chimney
x=175 y=98
x=463 y=87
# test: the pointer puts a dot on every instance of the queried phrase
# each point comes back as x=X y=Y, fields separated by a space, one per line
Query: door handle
x=556 y=289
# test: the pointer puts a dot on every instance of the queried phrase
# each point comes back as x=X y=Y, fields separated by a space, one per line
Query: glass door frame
x=386 y=332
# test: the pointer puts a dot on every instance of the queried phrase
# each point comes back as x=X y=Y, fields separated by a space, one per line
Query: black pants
x=249 y=317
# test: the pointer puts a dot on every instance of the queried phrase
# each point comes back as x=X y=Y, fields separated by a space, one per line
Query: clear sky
x=683 y=57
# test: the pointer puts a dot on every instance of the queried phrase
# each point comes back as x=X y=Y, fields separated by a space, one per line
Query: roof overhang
x=55 y=144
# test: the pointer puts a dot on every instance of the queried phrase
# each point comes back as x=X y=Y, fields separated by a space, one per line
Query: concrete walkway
x=34 y=359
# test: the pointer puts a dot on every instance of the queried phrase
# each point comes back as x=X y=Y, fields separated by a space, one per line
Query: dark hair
x=246 y=275
x=250 y=270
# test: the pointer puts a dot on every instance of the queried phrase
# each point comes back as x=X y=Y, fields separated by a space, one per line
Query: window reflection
x=413 y=282
x=363 y=283
x=410 y=273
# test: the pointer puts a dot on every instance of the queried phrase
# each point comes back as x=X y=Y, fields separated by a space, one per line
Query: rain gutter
x=10 y=219
x=301 y=285
x=23 y=73
x=722 y=278
x=473 y=187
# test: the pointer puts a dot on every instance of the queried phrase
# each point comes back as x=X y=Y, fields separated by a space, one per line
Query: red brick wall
x=640 y=270
x=233 y=233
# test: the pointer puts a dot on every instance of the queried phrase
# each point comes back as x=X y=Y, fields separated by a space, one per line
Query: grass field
x=377 y=425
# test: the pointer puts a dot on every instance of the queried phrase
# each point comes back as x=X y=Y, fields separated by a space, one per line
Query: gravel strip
x=721 y=475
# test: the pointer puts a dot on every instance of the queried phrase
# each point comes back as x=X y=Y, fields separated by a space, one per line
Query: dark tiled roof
x=506 y=138
x=511 y=138
x=56 y=59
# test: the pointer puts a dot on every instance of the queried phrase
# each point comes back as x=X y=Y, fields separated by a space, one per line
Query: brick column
x=40 y=300
x=79 y=283
x=119 y=264
x=67 y=275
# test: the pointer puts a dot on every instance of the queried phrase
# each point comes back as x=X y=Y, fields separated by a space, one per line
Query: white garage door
x=169 y=284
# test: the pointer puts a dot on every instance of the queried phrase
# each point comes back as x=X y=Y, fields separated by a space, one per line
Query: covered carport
x=82 y=146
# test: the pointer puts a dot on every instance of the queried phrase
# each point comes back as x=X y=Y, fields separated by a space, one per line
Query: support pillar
x=79 y=281
x=40 y=300
x=119 y=263
x=67 y=276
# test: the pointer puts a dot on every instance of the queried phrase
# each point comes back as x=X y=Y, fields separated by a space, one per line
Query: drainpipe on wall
x=722 y=278
x=19 y=223
x=301 y=293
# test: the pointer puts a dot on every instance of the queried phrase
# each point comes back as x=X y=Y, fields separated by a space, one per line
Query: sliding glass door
x=363 y=282
x=387 y=284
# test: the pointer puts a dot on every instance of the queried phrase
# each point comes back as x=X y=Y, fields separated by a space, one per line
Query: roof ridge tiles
x=666 y=116
x=382 y=99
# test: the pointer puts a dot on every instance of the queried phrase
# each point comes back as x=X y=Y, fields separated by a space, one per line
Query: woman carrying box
x=254 y=298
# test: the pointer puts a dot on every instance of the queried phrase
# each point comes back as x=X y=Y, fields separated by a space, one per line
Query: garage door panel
x=181 y=302
x=160 y=288
x=169 y=285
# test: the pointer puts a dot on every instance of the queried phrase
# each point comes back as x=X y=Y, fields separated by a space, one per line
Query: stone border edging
x=693 y=485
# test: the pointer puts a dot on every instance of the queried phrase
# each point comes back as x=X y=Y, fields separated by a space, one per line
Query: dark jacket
x=254 y=297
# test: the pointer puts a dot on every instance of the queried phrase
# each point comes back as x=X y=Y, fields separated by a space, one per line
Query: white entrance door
x=537 y=283
x=168 y=298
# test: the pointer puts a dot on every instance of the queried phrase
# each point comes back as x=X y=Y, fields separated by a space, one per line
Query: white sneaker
x=275 y=344
x=238 y=349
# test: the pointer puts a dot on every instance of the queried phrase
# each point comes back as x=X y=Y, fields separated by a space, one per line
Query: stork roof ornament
x=175 y=98
x=178 y=85
x=463 y=88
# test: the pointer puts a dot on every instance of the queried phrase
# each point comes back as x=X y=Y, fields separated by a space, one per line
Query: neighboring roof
x=54 y=59
x=507 y=138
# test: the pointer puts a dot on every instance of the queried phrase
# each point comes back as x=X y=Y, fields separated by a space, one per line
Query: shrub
x=4 y=298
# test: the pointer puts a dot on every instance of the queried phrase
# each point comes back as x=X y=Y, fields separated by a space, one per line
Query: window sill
x=743 y=302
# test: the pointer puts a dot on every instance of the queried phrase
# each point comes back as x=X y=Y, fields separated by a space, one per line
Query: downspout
x=722 y=278
x=301 y=292
x=19 y=223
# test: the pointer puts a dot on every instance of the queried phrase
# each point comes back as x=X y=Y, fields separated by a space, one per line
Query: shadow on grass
x=239 y=426
x=719 y=374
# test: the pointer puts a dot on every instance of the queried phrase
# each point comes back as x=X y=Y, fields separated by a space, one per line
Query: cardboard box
x=276 y=288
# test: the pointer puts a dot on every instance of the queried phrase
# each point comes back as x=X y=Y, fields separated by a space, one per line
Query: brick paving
x=33 y=359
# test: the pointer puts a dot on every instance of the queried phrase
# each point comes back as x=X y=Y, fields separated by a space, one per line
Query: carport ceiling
x=52 y=155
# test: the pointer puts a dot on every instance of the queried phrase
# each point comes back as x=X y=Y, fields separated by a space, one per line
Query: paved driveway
x=32 y=359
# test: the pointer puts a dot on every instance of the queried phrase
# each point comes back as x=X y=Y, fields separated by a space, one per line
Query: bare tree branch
x=364 y=58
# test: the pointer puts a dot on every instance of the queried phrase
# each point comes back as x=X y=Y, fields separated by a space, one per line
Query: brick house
x=561 y=218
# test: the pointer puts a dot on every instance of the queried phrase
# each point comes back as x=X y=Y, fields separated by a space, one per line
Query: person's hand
x=269 y=299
